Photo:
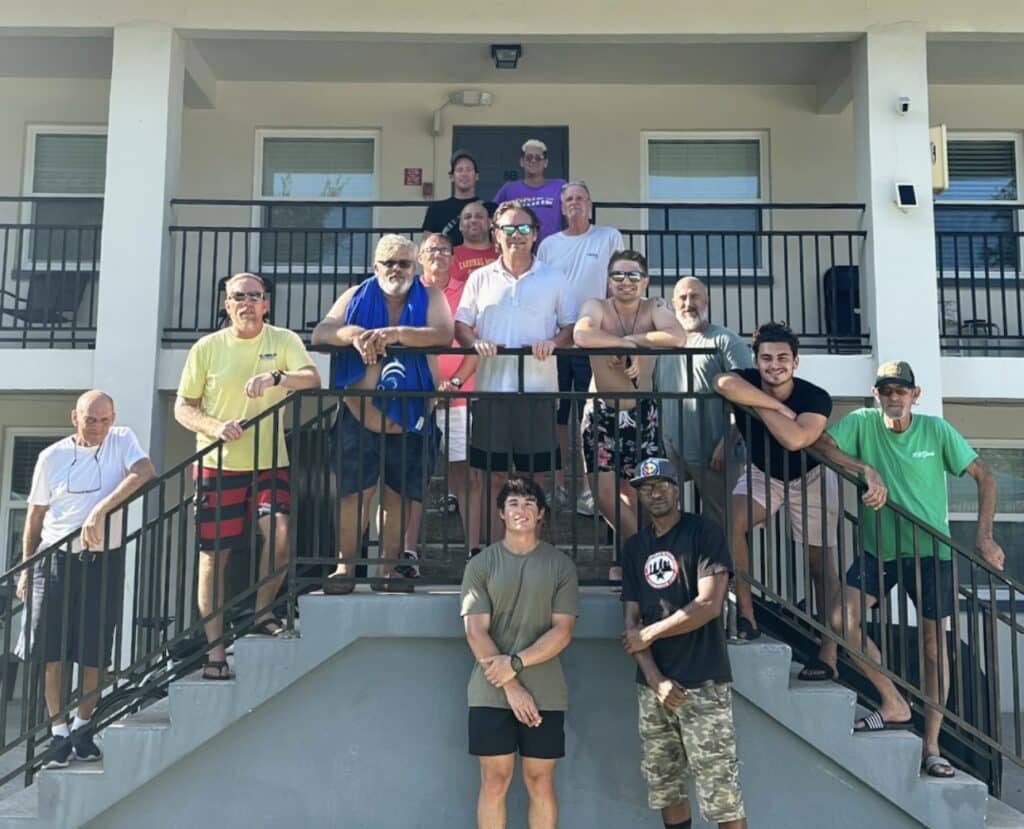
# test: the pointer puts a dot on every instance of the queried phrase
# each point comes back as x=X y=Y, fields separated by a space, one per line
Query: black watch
x=278 y=375
x=516 y=663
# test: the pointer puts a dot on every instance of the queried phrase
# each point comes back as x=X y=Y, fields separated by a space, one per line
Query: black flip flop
x=817 y=670
x=222 y=668
x=745 y=630
x=873 y=722
x=268 y=627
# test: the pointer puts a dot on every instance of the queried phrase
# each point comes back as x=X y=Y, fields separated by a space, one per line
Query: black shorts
x=73 y=599
x=513 y=434
x=496 y=731
x=936 y=598
x=574 y=374
x=409 y=457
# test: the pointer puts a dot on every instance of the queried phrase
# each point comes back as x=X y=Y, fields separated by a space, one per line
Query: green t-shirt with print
x=521 y=592
x=913 y=465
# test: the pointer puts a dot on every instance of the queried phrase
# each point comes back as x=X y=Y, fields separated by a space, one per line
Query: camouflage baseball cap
x=655 y=469
x=896 y=371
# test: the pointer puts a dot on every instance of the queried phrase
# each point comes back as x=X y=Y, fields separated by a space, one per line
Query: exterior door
x=497 y=151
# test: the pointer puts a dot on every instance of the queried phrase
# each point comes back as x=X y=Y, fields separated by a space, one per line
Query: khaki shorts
x=696 y=740
x=812 y=482
x=454 y=425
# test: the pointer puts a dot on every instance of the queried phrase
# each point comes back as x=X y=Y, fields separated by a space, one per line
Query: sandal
x=874 y=722
x=745 y=630
x=268 y=627
x=935 y=766
x=393 y=585
x=817 y=670
x=339 y=585
x=222 y=671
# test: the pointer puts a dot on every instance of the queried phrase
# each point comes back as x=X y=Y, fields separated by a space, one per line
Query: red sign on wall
x=413 y=176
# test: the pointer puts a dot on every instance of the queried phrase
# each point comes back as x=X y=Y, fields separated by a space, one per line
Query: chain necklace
x=636 y=319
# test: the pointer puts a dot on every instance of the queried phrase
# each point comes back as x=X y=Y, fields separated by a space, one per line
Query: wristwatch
x=278 y=375
x=455 y=381
x=516 y=663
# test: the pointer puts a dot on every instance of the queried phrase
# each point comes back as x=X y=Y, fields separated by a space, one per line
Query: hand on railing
x=877 y=493
x=992 y=553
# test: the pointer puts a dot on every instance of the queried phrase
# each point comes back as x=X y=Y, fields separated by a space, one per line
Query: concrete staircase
x=360 y=722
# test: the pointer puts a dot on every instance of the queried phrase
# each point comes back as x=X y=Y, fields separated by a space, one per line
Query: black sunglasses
x=621 y=276
x=395 y=263
x=242 y=296
x=511 y=230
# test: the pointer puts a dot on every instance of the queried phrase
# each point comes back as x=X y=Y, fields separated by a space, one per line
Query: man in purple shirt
x=543 y=196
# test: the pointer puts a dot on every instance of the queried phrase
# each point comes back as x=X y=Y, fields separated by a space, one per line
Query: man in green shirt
x=519 y=604
x=906 y=456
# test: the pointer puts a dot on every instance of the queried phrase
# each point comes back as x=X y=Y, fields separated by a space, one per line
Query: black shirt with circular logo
x=660 y=573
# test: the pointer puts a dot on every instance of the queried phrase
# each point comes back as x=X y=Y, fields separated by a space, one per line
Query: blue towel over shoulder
x=400 y=372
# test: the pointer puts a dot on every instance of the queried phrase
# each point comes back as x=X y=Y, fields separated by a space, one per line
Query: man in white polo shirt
x=582 y=252
x=515 y=301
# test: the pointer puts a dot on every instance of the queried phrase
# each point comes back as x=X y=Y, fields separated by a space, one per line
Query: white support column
x=890 y=63
x=143 y=148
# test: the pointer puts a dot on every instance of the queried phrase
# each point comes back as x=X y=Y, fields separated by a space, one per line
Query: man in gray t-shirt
x=519 y=605
x=696 y=432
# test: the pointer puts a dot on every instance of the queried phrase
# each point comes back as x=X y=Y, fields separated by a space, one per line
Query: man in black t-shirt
x=675 y=573
x=443 y=216
x=793 y=414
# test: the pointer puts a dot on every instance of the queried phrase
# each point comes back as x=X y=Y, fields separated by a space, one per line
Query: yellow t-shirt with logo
x=216 y=371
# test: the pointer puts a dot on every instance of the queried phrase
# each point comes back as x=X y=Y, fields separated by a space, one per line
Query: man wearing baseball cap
x=543 y=196
x=443 y=216
x=675 y=573
x=905 y=457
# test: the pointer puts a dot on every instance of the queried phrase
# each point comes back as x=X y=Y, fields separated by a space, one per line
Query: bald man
x=77 y=485
x=696 y=432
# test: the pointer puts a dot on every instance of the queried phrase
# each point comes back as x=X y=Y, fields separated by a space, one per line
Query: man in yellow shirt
x=231 y=376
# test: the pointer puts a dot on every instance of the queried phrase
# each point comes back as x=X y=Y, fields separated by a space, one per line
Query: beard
x=693 y=322
x=392 y=289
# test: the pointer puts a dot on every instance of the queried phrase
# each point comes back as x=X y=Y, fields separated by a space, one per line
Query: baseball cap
x=536 y=143
x=655 y=469
x=896 y=371
x=462 y=154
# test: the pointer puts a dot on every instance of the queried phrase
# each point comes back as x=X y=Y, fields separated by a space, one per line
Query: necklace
x=636 y=319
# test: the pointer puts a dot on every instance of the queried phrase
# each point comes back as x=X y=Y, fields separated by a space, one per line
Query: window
x=21 y=448
x=1006 y=460
x=70 y=164
x=705 y=168
x=978 y=234
x=298 y=170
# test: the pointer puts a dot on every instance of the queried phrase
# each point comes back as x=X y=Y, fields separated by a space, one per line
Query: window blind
x=981 y=171
x=318 y=167
x=69 y=164
x=704 y=169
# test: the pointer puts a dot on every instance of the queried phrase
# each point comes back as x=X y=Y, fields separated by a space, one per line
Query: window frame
x=1017 y=139
x=1002 y=594
x=27 y=212
x=263 y=133
x=763 y=138
x=11 y=433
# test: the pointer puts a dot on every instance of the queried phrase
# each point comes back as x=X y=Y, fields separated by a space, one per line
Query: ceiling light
x=506 y=55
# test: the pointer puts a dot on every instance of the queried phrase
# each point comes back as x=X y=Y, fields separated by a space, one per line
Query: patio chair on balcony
x=53 y=297
x=842 y=309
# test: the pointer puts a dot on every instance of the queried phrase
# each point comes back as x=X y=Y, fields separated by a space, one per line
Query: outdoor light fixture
x=506 y=55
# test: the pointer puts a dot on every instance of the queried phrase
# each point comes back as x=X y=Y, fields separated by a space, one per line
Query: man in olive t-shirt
x=907 y=456
x=519 y=604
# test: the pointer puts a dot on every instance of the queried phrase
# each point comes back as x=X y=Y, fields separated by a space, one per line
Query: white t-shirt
x=72 y=479
x=516 y=312
x=583 y=259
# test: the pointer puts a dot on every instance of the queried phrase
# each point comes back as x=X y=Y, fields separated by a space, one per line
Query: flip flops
x=935 y=766
x=745 y=630
x=873 y=722
x=817 y=670
x=221 y=669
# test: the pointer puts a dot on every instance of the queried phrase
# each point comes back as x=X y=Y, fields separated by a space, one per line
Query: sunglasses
x=438 y=251
x=511 y=230
x=532 y=157
x=622 y=276
x=242 y=296
x=395 y=263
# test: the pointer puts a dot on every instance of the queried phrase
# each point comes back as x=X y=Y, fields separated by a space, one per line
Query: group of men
x=502 y=286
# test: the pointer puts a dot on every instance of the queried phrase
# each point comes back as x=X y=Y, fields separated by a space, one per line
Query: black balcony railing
x=50 y=249
x=978 y=258
x=162 y=638
x=797 y=262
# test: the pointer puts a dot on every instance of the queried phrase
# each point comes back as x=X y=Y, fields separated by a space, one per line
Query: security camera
x=903 y=105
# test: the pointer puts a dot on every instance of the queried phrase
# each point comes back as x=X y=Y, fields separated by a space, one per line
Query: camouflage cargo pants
x=696 y=740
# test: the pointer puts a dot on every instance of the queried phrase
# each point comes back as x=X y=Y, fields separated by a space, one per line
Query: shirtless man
x=620 y=433
x=389 y=308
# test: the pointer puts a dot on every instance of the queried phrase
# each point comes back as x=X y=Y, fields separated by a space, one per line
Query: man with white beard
x=696 y=432
x=381 y=435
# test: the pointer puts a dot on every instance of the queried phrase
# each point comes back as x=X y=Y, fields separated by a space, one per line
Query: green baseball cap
x=896 y=372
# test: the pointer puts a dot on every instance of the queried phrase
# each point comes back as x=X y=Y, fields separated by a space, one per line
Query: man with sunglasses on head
x=385 y=435
x=78 y=483
x=516 y=301
x=443 y=216
x=906 y=457
x=541 y=195
x=230 y=378
x=620 y=433
x=582 y=252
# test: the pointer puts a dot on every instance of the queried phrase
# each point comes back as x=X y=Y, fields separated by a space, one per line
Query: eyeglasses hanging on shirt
x=84 y=474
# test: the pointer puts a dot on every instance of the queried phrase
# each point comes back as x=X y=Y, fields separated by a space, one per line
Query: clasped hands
x=373 y=343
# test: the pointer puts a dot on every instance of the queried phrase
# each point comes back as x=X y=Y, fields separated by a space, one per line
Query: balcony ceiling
x=975 y=59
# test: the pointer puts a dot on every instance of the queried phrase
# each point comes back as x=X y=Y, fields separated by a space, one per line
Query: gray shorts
x=514 y=434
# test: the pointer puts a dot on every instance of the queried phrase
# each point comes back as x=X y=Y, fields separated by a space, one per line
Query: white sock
x=78 y=723
x=60 y=730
